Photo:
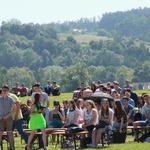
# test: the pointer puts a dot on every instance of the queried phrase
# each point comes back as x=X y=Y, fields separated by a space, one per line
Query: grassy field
x=129 y=145
x=83 y=37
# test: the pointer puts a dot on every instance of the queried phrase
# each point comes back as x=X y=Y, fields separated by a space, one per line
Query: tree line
x=33 y=52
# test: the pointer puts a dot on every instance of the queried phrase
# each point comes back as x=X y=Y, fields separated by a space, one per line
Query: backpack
x=119 y=137
x=65 y=143
x=85 y=141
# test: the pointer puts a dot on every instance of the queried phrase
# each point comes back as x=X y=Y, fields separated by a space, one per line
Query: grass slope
x=83 y=38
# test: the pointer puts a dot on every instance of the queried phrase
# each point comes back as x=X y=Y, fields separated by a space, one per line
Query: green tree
x=124 y=73
x=73 y=76
x=142 y=72
x=102 y=32
x=52 y=73
x=21 y=75
x=3 y=71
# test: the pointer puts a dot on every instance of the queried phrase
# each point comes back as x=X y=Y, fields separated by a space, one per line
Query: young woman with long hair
x=105 y=115
x=90 y=116
x=120 y=117
x=57 y=116
x=37 y=120
x=72 y=115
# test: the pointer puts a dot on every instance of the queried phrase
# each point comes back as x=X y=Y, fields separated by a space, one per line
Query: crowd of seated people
x=88 y=114
x=51 y=89
x=134 y=108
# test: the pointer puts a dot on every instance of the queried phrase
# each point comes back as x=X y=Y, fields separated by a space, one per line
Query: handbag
x=122 y=137
x=85 y=141
x=65 y=143
x=101 y=124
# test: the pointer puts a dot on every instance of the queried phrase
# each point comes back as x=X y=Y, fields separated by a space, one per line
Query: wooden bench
x=5 y=137
x=63 y=133
x=138 y=128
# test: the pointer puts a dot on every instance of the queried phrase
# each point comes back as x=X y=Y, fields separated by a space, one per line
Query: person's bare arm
x=75 y=118
x=61 y=115
x=121 y=125
x=17 y=110
x=51 y=116
x=47 y=104
x=129 y=114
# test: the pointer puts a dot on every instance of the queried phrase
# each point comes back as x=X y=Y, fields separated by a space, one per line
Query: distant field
x=83 y=37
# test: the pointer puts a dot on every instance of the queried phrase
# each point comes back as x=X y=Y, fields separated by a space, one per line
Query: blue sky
x=46 y=11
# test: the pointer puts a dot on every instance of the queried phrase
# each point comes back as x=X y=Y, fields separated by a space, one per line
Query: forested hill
x=135 y=22
x=130 y=23
x=33 y=52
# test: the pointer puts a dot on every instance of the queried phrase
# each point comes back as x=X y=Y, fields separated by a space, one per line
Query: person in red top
x=23 y=90
x=16 y=89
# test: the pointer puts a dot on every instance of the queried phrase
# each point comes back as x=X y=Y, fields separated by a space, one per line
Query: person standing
x=7 y=108
x=18 y=118
x=45 y=101
x=37 y=120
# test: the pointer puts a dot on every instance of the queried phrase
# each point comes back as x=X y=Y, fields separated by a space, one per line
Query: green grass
x=60 y=98
x=139 y=92
x=81 y=38
x=129 y=145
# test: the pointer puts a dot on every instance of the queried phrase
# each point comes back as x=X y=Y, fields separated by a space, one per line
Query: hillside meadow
x=83 y=38
x=129 y=145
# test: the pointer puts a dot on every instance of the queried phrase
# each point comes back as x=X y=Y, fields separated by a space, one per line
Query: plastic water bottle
x=80 y=121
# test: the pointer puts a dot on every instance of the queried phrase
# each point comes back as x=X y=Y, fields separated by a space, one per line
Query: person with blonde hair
x=105 y=123
x=90 y=116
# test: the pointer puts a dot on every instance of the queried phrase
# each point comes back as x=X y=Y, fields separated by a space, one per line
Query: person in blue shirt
x=129 y=110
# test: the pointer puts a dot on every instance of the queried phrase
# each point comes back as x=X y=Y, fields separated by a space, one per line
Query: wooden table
x=145 y=128
x=63 y=133
x=5 y=137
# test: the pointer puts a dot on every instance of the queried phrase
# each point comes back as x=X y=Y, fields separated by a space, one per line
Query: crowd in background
x=51 y=89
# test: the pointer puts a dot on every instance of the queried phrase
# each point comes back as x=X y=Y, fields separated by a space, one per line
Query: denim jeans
x=18 y=126
x=116 y=125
